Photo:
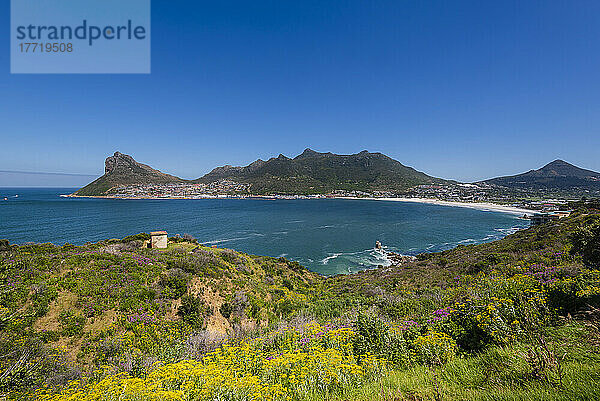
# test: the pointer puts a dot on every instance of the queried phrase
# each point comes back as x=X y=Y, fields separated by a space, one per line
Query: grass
x=499 y=373
x=512 y=319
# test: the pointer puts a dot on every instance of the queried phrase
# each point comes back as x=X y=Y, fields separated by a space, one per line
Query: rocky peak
x=117 y=161
x=560 y=168
x=309 y=152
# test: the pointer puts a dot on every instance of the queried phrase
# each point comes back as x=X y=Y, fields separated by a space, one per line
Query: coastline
x=484 y=206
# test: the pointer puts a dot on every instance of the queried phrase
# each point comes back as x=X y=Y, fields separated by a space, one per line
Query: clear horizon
x=463 y=90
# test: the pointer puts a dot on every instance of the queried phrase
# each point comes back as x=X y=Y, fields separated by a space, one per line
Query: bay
x=329 y=236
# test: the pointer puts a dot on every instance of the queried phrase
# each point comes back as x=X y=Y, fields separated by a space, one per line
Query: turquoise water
x=328 y=235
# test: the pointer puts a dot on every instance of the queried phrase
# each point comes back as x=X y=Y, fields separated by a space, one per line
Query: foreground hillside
x=512 y=319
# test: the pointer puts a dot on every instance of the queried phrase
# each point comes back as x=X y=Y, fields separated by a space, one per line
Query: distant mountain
x=309 y=172
x=556 y=175
x=119 y=170
x=314 y=172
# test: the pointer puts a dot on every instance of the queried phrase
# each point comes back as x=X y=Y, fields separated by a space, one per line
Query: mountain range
x=314 y=172
x=309 y=172
x=558 y=175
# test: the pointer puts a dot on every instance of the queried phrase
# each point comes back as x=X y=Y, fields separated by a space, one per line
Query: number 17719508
x=56 y=47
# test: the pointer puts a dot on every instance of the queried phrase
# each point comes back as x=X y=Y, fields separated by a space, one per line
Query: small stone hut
x=158 y=239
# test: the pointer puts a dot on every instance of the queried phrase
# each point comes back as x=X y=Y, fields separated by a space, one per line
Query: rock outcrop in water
x=396 y=259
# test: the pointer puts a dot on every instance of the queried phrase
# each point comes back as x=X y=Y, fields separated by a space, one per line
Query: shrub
x=130 y=246
x=193 y=310
x=253 y=312
x=176 y=239
x=231 y=256
x=174 y=283
x=288 y=284
x=374 y=337
x=434 y=348
x=189 y=238
x=200 y=263
x=48 y=336
x=71 y=324
x=570 y=294
x=464 y=327
x=289 y=301
x=226 y=309
x=137 y=237
x=27 y=363
x=293 y=265
x=137 y=298
x=41 y=297
x=202 y=342
x=586 y=243
x=4 y=245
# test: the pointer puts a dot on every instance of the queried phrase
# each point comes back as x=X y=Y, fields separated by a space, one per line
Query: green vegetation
x=317 y=173
x=555 y=176
x=309 y=173
x=121 y=170
x=320 y=173
x=515 y=319
x=586 y=242
x=561 y=365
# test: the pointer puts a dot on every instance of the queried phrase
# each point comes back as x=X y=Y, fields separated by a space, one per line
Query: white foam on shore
x=507 y=231
x=328 y=258
x=360 y=260
x=220 y=241
x=483 y=206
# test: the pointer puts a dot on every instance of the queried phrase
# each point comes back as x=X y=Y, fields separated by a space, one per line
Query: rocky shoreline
x=396 y=259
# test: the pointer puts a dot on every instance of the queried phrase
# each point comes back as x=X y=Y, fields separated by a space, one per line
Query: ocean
x=329 y=236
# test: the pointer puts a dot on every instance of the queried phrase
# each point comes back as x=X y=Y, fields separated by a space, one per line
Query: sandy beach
x=473 y=205
x=493 y=207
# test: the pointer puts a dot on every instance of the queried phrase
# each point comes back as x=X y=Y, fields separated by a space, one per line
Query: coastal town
x=223 y=188
x=456 y=193
x=555 y=187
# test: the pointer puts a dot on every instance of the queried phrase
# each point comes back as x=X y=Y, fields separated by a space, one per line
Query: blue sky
x=457 y=89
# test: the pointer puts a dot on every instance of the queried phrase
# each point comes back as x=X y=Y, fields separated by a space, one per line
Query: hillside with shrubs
x=514 y=319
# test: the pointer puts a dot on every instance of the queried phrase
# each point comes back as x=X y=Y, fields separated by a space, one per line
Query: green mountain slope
x=555 y=175
x=120 y=170
x=314 y=172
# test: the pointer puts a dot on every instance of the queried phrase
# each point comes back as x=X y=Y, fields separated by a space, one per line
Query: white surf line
x=472 y=205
